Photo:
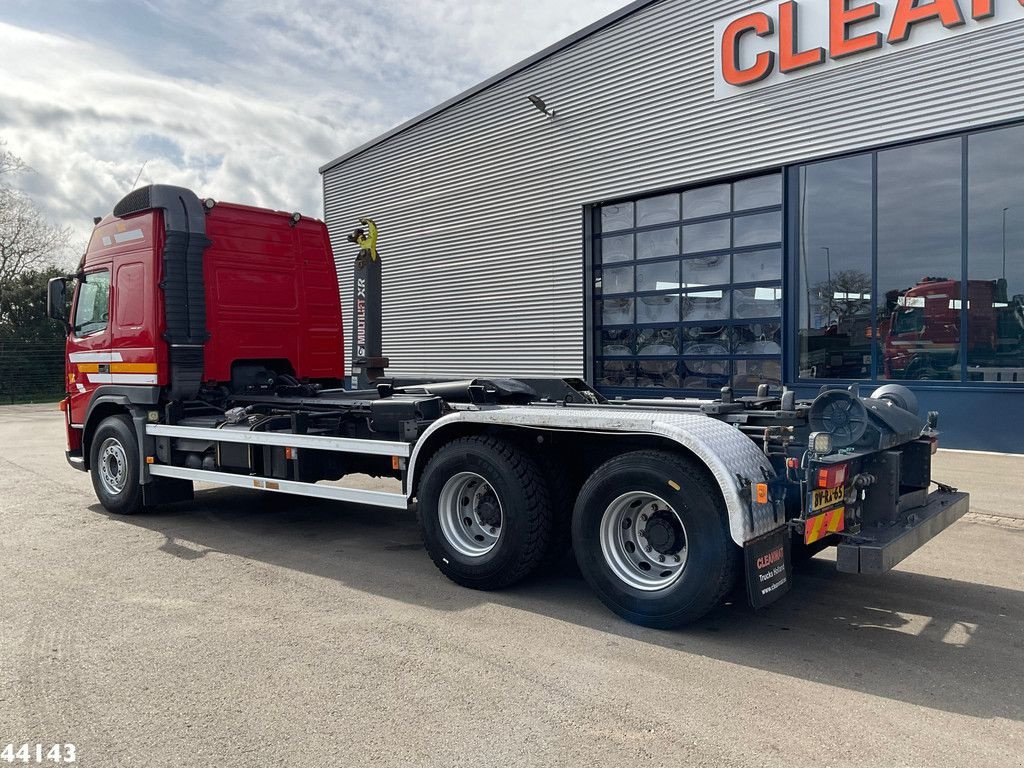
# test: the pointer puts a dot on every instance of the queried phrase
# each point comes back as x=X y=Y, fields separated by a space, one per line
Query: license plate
x=826 y=497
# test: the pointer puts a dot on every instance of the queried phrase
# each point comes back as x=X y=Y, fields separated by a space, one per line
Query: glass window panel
x=657 y=210
x=706 y=236
x=615 y=373
x=657 y=341
x=92 y=307
x=617 y=280
x=758 y=339
x=615 y=249
x=752 y=373
x=615 y=311
x=707 y=270
x=657 y=309
x=707 y=201
x=835 y=269
x=919 y=260
x=705 y=305
x=616 y=342
x=706 y=374
x=659 y=374
x=763 y=301
x=661 y=276
x=616 y=216
x=758 y=229
x=707 y=340
x=685 y=340
x=757 y=266
x=995 y=256
x=759 y=192
x=657 y=242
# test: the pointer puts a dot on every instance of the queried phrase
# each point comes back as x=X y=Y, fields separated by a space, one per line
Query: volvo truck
x=205 y=344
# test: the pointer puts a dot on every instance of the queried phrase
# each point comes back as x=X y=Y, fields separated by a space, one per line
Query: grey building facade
x=728 y=194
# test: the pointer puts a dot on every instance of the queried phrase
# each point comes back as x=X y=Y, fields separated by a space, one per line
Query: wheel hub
x=487 y=509
x=664 y=532
x=643 y=541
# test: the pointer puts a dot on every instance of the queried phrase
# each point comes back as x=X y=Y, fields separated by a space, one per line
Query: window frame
x=594 y=267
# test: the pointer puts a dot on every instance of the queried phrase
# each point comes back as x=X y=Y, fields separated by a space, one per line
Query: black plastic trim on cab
x=122 y=395
x=131 y=398
x=76 y=460
x=185 y=242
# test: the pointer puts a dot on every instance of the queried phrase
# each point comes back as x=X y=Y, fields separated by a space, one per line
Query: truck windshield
x=908 y=321
x=92 y=309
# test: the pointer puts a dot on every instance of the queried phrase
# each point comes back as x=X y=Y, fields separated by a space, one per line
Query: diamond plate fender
x=732 y=457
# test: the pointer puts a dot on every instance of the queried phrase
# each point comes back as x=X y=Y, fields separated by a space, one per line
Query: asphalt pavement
x=248 y=629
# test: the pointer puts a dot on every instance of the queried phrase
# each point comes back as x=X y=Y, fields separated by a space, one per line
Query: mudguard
x=733 y=458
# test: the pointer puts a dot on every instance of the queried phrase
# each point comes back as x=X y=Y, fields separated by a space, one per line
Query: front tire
x=485 y=513
x=114 y=466
x=652 y=539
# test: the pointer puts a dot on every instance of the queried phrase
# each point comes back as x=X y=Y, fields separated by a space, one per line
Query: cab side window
x=92 y=310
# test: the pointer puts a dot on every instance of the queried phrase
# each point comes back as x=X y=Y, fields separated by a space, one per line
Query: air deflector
x=185 y=242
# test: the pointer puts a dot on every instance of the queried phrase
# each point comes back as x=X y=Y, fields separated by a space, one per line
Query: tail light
x=831 y=476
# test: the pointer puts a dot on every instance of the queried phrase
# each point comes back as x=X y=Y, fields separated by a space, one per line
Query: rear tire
x=485 y=513
x=651 y=538
x=114 y=466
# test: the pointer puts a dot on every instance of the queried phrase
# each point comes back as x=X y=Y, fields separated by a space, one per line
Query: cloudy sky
x=238 y=99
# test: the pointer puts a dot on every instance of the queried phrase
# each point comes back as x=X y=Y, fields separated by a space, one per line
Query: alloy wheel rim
x=644 y=541
x=113 y=466
x=470 y=514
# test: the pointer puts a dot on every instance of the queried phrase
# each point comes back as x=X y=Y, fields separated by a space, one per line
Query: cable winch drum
x=898 y=395
x=841 y=415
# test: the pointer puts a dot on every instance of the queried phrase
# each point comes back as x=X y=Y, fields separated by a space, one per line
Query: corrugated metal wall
x=480 y=207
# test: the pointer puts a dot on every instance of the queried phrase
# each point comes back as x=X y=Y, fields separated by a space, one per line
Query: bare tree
x=27 y=240
x=847 y=294
x=9 y=162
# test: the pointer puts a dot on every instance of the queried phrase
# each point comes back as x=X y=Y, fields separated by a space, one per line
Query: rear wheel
x=651 y=537
x=485 y=513
x=114 y=466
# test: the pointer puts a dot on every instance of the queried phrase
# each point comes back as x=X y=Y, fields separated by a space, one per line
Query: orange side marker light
x=762 y=493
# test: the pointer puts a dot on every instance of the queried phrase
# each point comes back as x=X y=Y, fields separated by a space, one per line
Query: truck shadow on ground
x=938 y=643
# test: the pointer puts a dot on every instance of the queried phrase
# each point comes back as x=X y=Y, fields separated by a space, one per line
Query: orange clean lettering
x=762 y=25
x=841 y=18
x=791 y=58
x=911 y=12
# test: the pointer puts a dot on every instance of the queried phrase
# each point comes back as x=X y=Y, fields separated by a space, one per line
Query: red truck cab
x=922 y=335
x=176 y=294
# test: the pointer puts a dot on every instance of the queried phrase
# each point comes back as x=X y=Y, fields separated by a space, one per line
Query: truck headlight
x=821 y=443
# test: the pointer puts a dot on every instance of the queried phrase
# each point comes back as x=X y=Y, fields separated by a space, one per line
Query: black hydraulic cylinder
x=368 y=363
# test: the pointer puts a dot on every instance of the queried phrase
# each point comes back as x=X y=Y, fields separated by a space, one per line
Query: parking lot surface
x=247 y=629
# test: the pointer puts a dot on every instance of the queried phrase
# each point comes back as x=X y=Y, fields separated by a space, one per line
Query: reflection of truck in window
x=923 y=330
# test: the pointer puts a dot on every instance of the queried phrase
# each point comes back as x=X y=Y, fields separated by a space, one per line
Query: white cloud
x=241 y=100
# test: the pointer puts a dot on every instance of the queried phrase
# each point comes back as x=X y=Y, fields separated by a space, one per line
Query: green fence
x=31 y=371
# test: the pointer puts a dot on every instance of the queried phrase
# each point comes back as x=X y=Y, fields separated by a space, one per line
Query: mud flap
x=768 y=567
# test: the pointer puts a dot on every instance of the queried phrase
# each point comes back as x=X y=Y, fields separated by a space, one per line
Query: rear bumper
x=75 y=459
x=879 y=550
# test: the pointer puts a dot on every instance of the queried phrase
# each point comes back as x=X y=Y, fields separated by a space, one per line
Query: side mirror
x=57 y=300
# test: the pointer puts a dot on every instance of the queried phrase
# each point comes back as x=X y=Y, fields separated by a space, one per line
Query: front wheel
x=651 y=537
x=114 y=466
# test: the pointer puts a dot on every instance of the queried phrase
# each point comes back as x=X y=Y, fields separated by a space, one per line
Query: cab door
x=89 y=352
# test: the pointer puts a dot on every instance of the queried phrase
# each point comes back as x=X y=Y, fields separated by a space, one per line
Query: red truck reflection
x=922 y=333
